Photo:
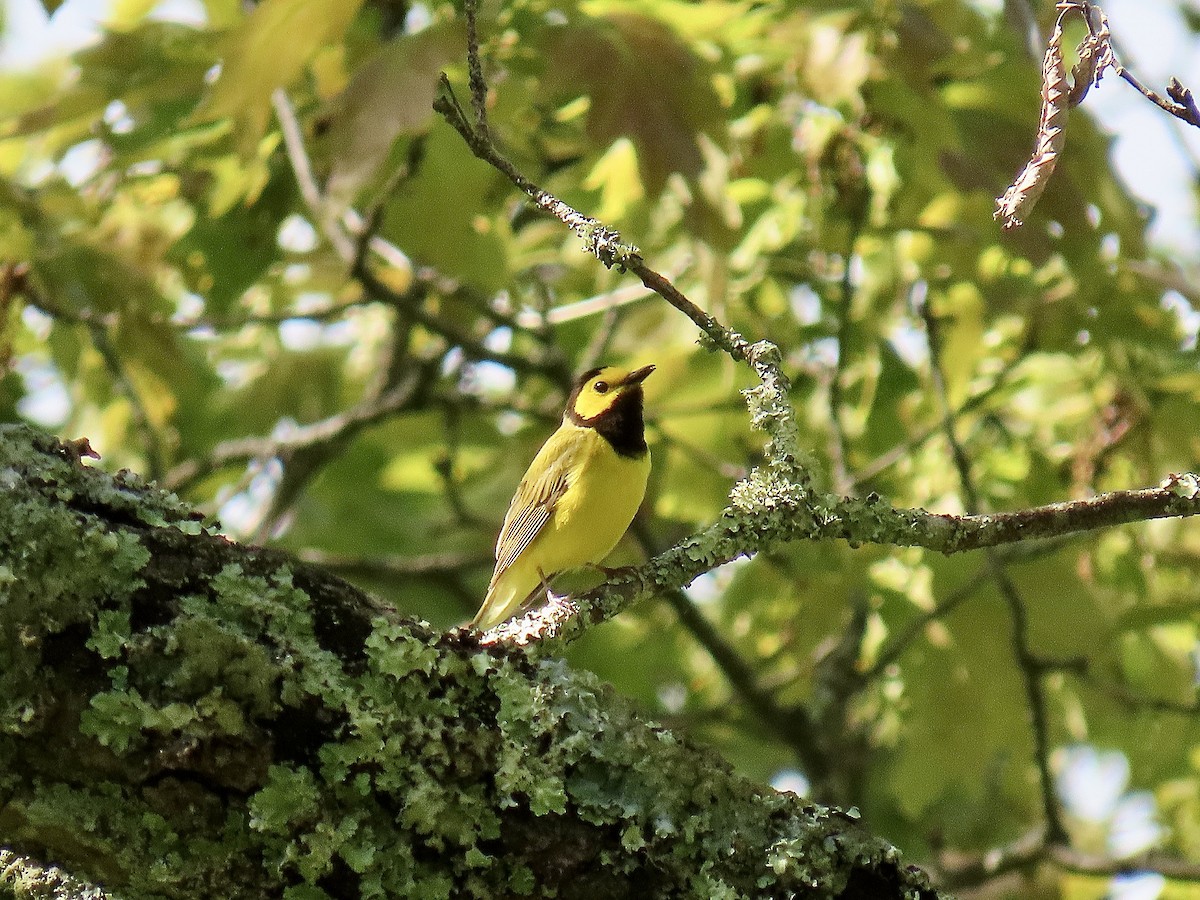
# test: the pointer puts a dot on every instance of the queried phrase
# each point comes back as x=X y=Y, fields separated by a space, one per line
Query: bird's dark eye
x=601 y=387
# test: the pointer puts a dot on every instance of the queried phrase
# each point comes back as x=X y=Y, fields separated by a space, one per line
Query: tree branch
x=960 y=871
x=303 y=437
x=178 y=691
x=768 y=514
x=1029 y=663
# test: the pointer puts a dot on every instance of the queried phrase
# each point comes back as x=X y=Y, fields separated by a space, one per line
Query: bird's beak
x=637 y=376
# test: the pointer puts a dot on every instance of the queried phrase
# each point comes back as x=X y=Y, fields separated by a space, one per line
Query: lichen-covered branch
x=770 y=409
x=181 y=716
x=768 y=511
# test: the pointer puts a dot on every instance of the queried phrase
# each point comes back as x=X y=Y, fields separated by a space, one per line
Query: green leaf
x=267 y=51
x=644 y=83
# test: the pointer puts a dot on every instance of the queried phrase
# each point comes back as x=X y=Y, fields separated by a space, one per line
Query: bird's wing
x=539 y=492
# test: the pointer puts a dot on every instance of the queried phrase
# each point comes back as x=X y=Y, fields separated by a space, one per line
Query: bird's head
x=606 y=391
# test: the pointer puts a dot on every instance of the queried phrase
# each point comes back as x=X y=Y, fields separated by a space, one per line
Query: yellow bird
x=579 y=495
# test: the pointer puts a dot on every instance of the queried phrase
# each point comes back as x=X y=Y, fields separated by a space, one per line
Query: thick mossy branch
x=184 y=717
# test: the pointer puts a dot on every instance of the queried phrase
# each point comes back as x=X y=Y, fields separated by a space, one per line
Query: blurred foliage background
x=244 y=257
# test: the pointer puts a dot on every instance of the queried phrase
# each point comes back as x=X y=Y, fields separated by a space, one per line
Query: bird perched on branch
x=579 y=495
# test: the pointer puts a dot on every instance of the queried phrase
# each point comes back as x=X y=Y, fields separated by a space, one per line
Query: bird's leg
x=540 y=594
x=611 y=573
x=545 y=584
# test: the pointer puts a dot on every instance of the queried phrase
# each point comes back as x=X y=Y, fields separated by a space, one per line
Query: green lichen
x=59 y=567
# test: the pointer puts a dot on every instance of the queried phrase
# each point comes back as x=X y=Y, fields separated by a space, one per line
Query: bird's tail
x=504 y=598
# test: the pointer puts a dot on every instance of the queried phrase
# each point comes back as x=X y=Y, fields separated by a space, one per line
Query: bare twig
x=14 y=277
x=303 y=437
x=970 y=586
x=353 y=233
x=895 y=649
x=839 y=453
x=395 y=565
x=790 y=724
x=591 y=306
x=354 y=252
x=151 y=439
x=905 y=448
x=443 y=464
x=99 y=327
x=1030 y=665
x=410 y=303
x=836 y=680
x=1033 y=849
x=293 y=142
x=1182 y=104
x=1134 y=700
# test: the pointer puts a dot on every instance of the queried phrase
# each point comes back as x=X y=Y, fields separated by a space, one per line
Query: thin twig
x=293 y=142
x=591 y=306
x=836 y=681
x=915 y=628
x=1182 y=104
x=790 y=724
x=443 y=464
x=14 y=281
x=700 y=456
x=353 y=251
x=1033 y=849
x=904 y=449
x=1030 y=665
x=1133 y=700
x=839 y=453
x=970 y=586
x=429 y=565
x=303 y=437
x=410 y=303
x=124 y=384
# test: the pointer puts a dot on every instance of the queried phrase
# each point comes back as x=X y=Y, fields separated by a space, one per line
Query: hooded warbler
x=579 y=495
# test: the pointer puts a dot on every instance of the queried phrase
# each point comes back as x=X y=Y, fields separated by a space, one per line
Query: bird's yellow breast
x=604 y=492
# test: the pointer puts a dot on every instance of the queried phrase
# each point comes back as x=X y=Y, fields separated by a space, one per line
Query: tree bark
x=184 y=717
